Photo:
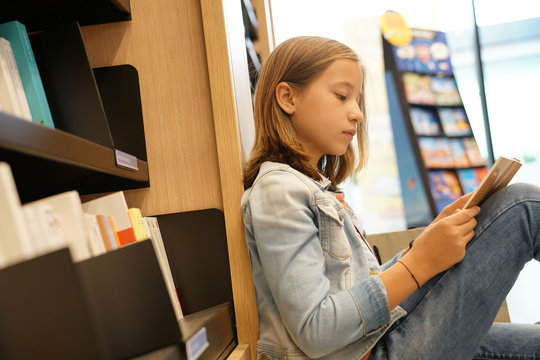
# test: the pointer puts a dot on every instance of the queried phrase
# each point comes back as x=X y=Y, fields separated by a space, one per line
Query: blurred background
x=509 y=43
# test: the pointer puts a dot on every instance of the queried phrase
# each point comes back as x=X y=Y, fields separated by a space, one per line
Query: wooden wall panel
x=165 y=42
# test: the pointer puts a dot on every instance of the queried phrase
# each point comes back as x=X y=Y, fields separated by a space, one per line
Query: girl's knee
x=521 y=191
x=503 y=200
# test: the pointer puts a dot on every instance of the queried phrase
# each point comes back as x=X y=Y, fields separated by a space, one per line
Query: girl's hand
x=450 y=209
x=442 y=243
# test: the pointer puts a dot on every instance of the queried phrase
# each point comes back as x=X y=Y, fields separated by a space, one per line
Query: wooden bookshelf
x=189 y=107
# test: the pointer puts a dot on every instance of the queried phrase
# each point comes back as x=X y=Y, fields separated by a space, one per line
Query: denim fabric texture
x=318 y=295
x=451 y=316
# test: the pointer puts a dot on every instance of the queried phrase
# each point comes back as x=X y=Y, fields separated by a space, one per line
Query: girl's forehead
x=344 y=70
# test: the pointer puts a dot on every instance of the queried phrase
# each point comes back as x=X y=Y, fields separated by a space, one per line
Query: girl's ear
x=285 y=97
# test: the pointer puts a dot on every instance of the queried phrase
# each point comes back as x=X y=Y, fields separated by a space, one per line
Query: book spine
x=138 y=224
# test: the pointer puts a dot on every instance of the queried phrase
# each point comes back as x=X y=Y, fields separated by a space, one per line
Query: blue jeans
x=451 y=316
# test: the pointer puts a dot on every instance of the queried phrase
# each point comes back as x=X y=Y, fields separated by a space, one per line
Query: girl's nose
x=356 y=114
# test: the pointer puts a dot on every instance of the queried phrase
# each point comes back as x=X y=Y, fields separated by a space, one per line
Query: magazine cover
x=471 y=178
x=424 y=121
x=418 y=89
x=458 y=153
x=454 y=122
x=436 y=152
x=445 y=91
x=427 y=52
x=473 y=153
x=445 y=187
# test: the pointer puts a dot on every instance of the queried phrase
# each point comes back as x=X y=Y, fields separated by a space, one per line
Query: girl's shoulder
x=278 y=177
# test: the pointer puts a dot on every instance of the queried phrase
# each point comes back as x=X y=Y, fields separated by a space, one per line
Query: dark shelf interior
x=43 y=14
x=46 y=161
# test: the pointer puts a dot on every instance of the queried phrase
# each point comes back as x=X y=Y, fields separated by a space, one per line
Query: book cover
x=114 y=205
x=44 y=226
x=159 y=248
x=498 y=177
x=18 y=97
x=15 y=242
x=424 y=121
x=138 y=224
x=68 y=208
x=473 y=152
x=97 y=245
x=16 y=33
x=445 y=187
x=454 y=122
x=458 y=153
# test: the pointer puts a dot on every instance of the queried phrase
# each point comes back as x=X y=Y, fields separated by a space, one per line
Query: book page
x=498 y=177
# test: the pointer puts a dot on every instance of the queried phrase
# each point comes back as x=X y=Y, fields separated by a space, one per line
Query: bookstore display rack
x=116 y=305
x=437 y=154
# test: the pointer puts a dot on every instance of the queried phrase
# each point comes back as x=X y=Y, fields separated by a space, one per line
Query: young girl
x=320 y=291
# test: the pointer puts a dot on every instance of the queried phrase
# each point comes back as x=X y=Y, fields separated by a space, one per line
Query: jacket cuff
x=372 y=303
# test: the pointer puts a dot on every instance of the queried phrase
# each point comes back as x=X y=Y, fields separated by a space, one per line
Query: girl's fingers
x=462 y=216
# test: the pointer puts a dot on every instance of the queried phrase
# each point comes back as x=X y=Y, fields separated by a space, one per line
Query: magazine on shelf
x=445 y=90
x=454 y=122
x=458 y=153
x=473 y=152
x=436 y=152
x=418 y=89
x=427 y=52
x=445 y=187
x=470 y=178
x=424 y=121
x=498 y=177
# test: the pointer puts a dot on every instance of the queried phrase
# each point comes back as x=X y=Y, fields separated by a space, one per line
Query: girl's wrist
x=420 y=269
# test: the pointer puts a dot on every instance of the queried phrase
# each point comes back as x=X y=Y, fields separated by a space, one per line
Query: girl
x=320 y=291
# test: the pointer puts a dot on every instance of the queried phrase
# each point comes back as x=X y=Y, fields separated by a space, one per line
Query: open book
x=498 y=176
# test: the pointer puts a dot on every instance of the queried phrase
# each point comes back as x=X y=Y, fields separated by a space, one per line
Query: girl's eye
x=340 y=97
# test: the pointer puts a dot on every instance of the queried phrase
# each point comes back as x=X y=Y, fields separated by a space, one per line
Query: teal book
x=17 y=35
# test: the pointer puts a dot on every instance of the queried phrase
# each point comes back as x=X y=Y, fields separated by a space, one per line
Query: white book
x=22 y=109
x=159 y=248
x=44 y=226
x=15 y=241
x=68 y=208
x=113 y=205
x=8 y=97
x=97 y=246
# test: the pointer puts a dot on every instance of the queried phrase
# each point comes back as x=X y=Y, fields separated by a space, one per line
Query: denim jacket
x=314 y=274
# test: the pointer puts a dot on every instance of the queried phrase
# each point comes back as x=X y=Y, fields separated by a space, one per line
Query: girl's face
x=326 y=112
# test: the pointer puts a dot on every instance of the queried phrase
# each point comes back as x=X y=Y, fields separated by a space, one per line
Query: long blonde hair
x=298 y=61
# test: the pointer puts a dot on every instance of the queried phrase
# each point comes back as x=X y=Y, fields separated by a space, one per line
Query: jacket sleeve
x=293 y=262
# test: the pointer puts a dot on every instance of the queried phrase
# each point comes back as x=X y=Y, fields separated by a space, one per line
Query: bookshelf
x=437 y=154
x=183 y=125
